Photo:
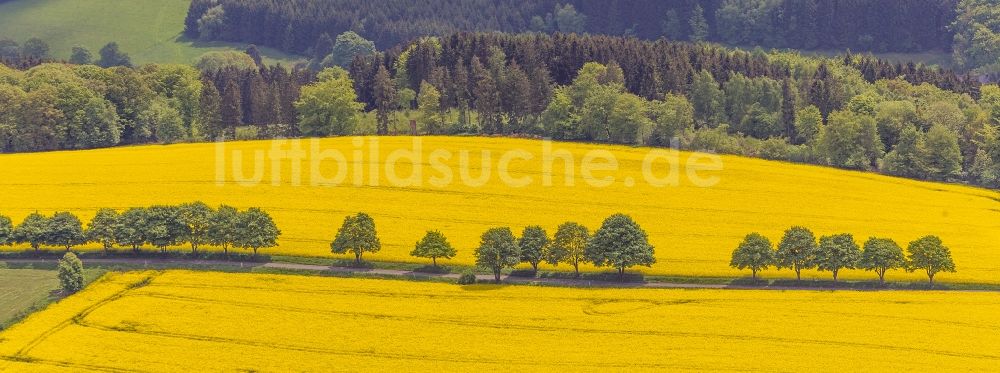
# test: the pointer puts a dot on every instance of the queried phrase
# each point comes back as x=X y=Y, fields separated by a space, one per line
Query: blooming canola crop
x=695 y=219
x=200 y=321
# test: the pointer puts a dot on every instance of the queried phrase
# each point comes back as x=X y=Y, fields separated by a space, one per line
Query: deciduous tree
x=101 y=229
x=569 y=245
x=881 y=255
x=929 y=254
x=755 y=252
x=533 y=243
x=837 y=252
x=620 y=243
x=357 y=235
x=796 y=251
x=433 y=245
x=497 y=250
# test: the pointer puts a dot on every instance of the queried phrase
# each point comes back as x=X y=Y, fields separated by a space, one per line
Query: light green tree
x=698 y=24
x=837 y=252
x=434 y=245
x=164 y=227
x=943 y=157
x=569 y=245
x=881 y=255
x=348 y=46
x=329 y=106
x=429 y=104
x=65 y=230
x=6 y=231
x=929 y=254
x=255 y=230
x=796 y=251
x=533 y=243
x=497 y=250
x=755 y=253
x=197 y=219
x=70 y=273
x=101 y=229
x=131 y=230
x=620 y=243
x=222 y=227
x=357 y=235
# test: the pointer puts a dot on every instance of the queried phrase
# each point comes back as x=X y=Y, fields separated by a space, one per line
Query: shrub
x=70 y=273
x=467 y=278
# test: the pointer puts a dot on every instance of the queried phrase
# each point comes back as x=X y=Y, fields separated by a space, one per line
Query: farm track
x=506 y=279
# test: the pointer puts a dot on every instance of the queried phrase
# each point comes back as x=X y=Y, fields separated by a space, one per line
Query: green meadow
x=148 y=30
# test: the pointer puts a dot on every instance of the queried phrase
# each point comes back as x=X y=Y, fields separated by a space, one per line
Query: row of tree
x=800 y=250
x=876 y=25
x=160 y=226
x=619 y=243
x=35 y=50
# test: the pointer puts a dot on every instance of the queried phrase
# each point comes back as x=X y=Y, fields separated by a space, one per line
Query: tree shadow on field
x=483 y=286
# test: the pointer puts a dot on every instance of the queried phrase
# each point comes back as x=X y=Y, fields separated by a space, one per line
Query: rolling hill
x=694 y=229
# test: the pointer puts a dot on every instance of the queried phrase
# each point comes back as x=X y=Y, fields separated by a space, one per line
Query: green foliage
x=497 y=250
x=429 y=104
x=671 y=118
x=212 y=23
x=6 y=231
x=329 y=106
x=35 y=48
x=568 y=20
x=222 y=227
x=347 y=46
x=131 y=229
x=881 y=255
x=111 y=56
x=102 y=227
x=837 y=252
x=81 y=56
x=698 y=24
x=569 y=245
x=755 y=252
x=533 y=243
x=929 y=254
x=796 y=251
x=944 y=158
x=808 y=122
x=976 y=42
x=163 y=120
x=33 y=230
x=357 y=235
x=197 y=219
x=255 y=230
x=70 y=273
x=434 y=245
x=163 y=226
x=708 y=100
x=221 y=60
x=620 y=243
x=850 y=140
x=467 y=278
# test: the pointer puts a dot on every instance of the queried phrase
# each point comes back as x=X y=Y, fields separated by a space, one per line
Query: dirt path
x=403 y=273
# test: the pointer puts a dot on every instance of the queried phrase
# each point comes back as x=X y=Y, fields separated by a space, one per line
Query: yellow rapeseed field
x=694 y=229
x=198 y=321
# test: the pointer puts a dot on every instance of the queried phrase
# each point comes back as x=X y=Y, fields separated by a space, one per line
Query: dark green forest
x=868 y=25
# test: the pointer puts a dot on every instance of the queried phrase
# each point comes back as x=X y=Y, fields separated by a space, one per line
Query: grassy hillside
x=148 y=30
x=197 y=321
x=694 y=229
x=22 y=290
